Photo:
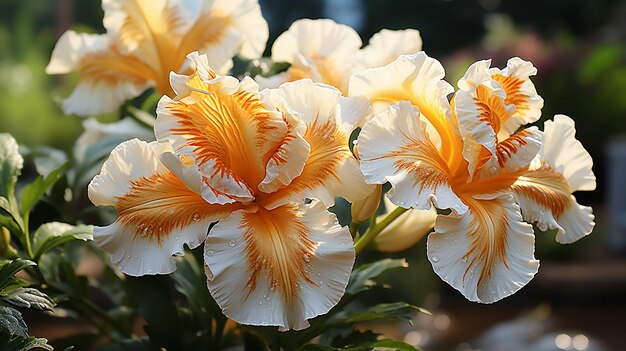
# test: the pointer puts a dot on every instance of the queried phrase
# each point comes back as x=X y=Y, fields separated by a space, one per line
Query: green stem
x=29 y=249
x=354 y=227
x=376 y=228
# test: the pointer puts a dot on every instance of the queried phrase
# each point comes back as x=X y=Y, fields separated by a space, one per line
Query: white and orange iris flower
x=468 y=155
x=266 y=166
x=148 y=39
x=328 y=52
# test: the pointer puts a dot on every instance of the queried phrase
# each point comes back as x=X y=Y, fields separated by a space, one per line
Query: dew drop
x=232 y=243
x=493 y=170
x=321 y=282
x=128 y=256
x=210 y=253
x=260 y=302
x=307 y=257
x=196 y=217
x=435 y=259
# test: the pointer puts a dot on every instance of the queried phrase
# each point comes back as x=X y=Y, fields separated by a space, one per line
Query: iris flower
x=467 y=156
x=328 y=52
x=266 y=166
x=146 y=40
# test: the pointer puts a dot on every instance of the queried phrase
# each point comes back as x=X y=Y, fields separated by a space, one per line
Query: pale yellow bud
x=363 y=209
x=406 y=230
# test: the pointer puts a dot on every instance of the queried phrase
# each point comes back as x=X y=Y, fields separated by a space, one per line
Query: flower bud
x=406 y=230
x=363 y=209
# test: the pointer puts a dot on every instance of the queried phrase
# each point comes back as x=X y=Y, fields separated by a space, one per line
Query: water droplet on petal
x=260 y=302
x=196 y=217
x=307 y=257
x=493 y=170
x=232 y=243
x=435 y=259
x=210 y=253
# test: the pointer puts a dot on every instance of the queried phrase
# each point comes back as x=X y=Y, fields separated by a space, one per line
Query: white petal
x=71 y=48
x=385 y=46
x=322 y=37
x=279 y=267
x=487 y=253
x=158 y=214
x=564 y=152
x=394 y=147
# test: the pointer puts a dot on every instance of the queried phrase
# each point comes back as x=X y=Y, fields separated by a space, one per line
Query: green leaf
x=362 y=277
x=46 y=158
x=385 y=311
x=7 y=272
x=11 y=163
x=53 y=234
x=25 y=344
x=11 y=322
x=386 y=344
x=29 y=298
x=35 y=190
x=394 y=345
x=153 y=300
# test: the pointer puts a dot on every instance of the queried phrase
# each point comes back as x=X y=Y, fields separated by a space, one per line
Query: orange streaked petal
x=278 y=267
x=158 y=213
x=230 y=132
x=394 y=146
x=419 y=79
x=330 y=170
x=480 y=111
x=487 y=253
x=544 y=190
x=107 y=77
x=520 y=92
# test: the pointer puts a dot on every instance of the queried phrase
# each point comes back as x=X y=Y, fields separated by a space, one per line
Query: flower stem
x=376 y=228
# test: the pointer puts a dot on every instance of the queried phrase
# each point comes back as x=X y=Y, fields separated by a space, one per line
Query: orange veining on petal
x=230 y=130
x=546 y=187
x=489 y=228
x=158 y=204
x=278 y=243
x=512 y=87
x=329 y=147
x=112 y=67
x=421 y=159
x=510 y=146
x=491 y=107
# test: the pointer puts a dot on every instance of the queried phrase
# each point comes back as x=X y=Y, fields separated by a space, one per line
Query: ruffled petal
x=520 y=92
x=330 y=170
x=385 y=46
x=394 y=146
x=158 y=213
x=278 y=267
x=228 y=129
x=107 y=77
x=318 y=49
x=487 y=253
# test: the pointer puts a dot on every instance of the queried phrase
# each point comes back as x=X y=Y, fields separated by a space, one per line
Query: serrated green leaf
x=11 y=163
x=386 y=311
x=11 y=322
x=362 y=278
x=53 y=234
x=29 y=298
x=7 y=272
x=35 y=190
x=25 y=344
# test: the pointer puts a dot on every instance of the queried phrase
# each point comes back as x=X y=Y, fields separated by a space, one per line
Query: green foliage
x=11 y=163
x=35 y=190
x=53 y=234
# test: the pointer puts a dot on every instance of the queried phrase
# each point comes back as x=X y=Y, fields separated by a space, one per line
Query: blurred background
x=577 y=301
